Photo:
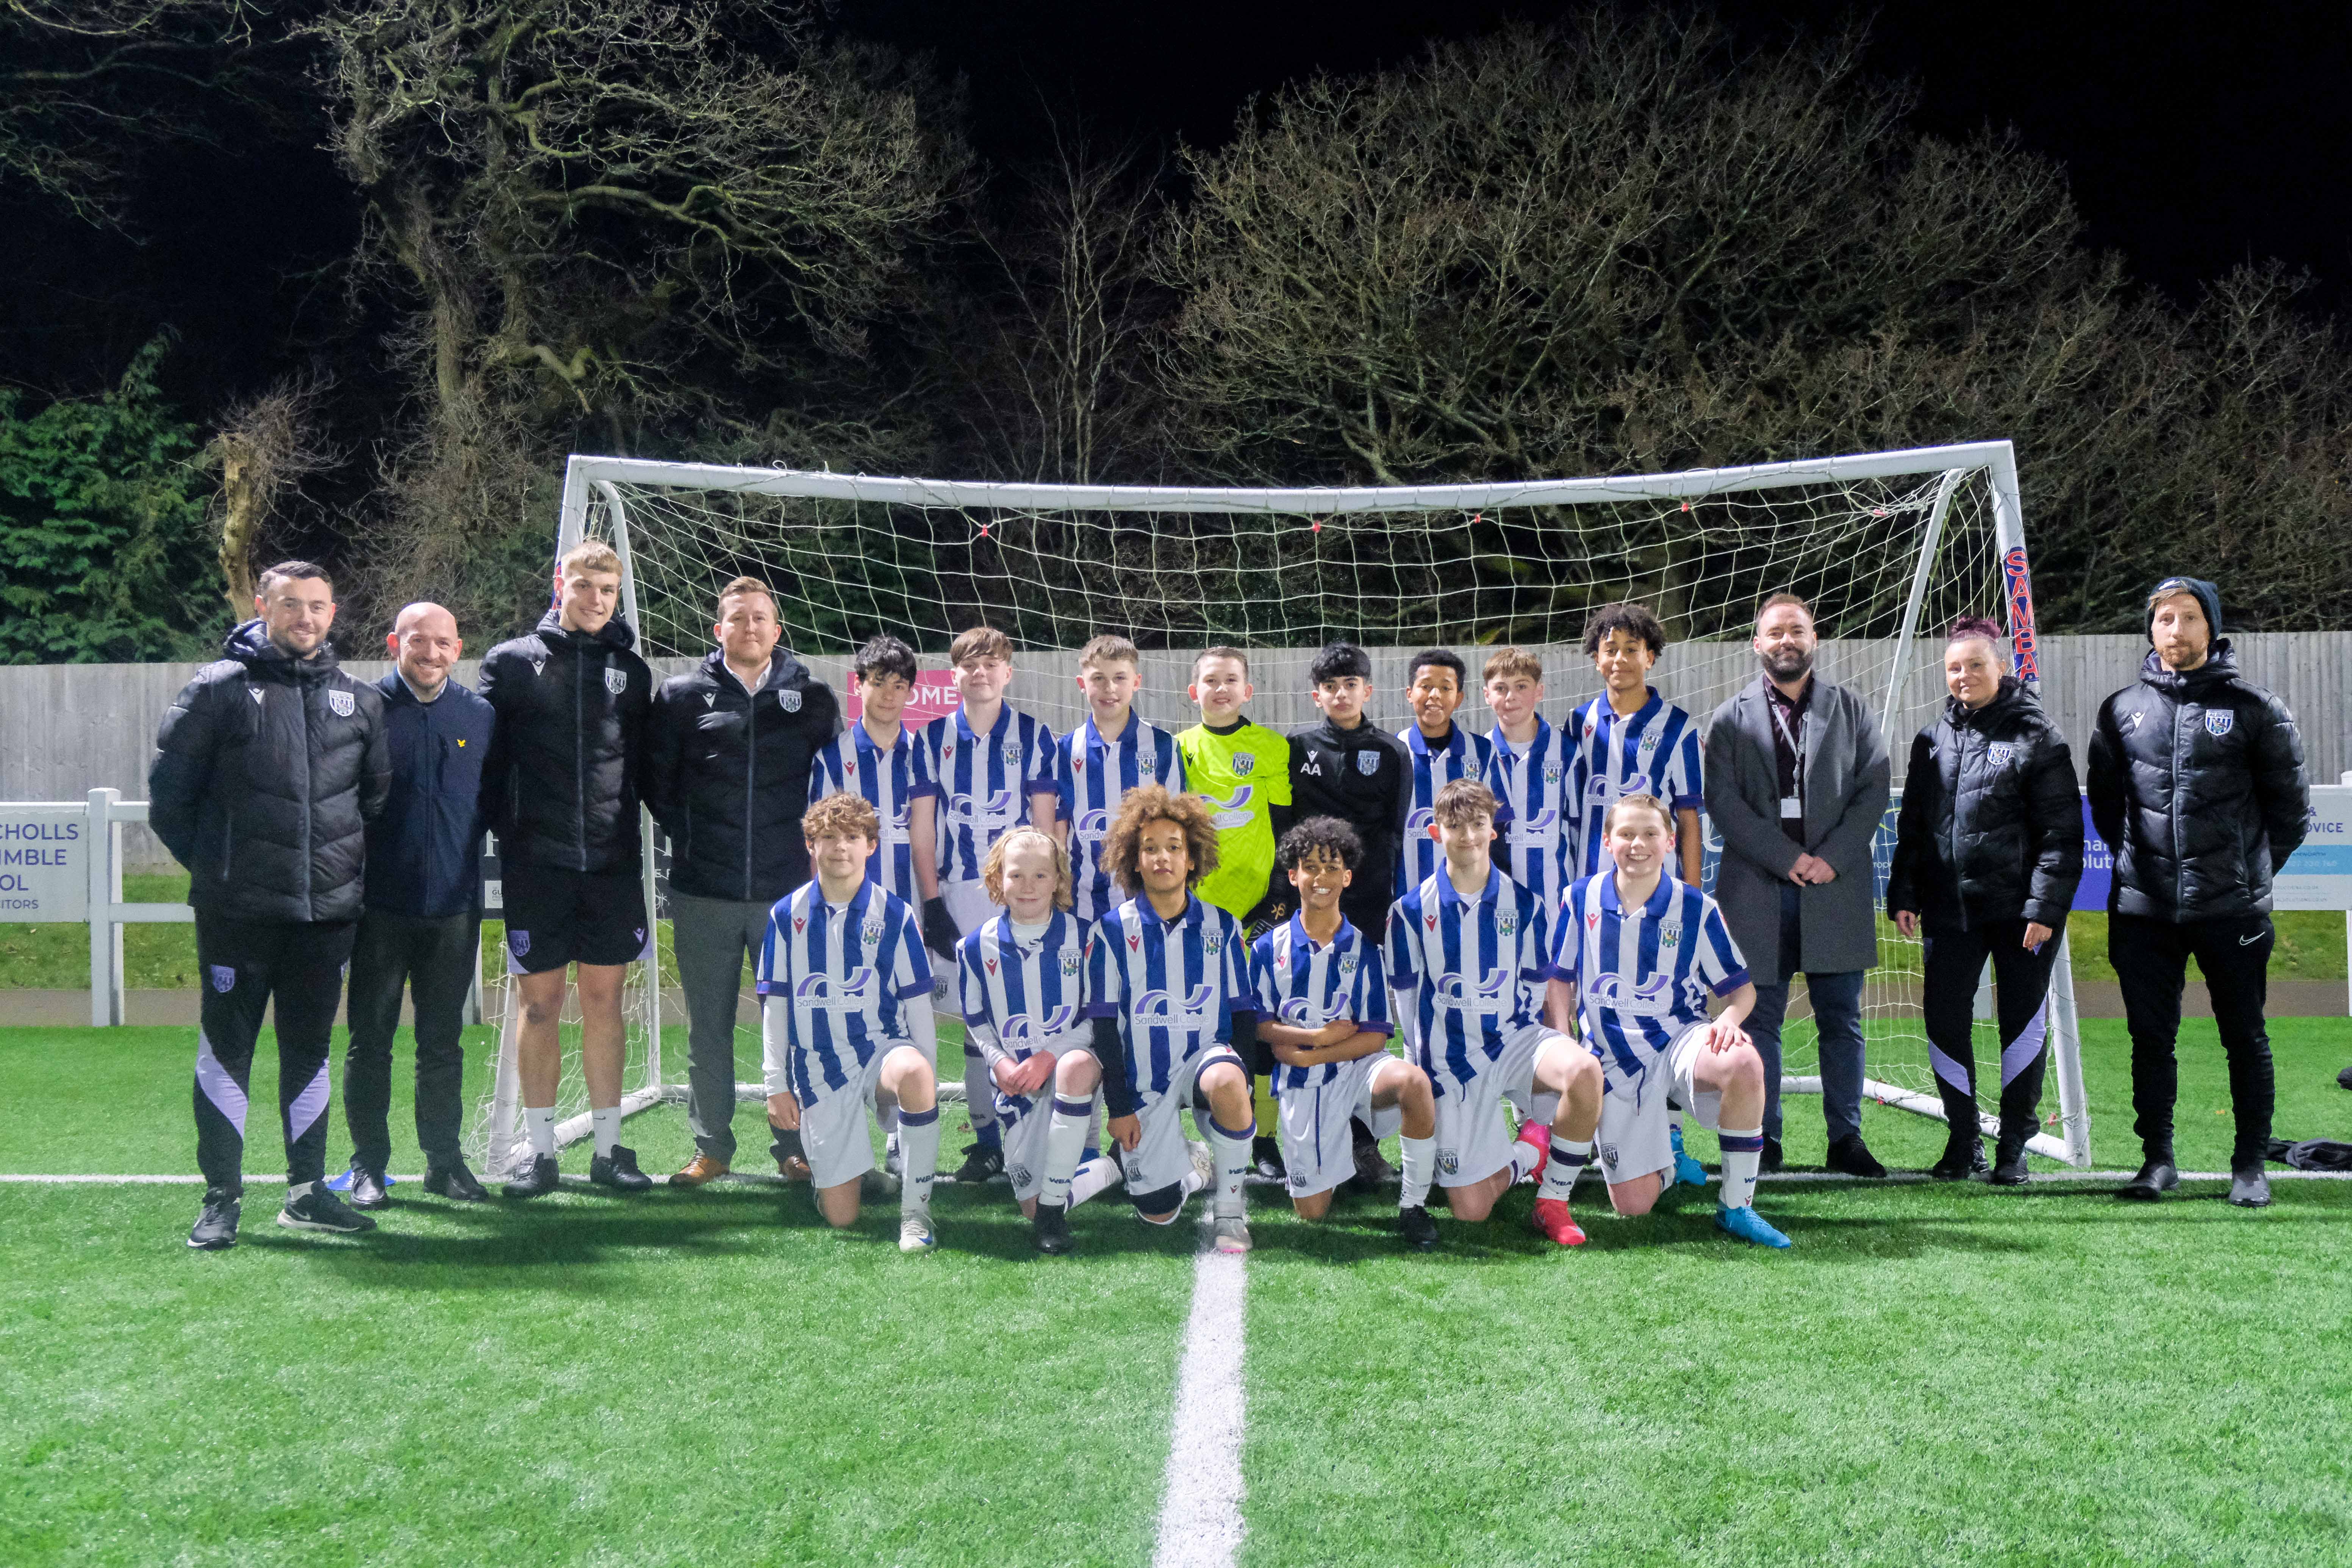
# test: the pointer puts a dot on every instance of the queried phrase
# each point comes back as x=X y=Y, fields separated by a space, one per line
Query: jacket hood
x=614 y=633
x=783 y=666
x=250 y=645
x=2006 y=701
x=2220 y=664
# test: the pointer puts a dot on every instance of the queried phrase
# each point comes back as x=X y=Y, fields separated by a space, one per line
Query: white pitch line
x=1201 y=1500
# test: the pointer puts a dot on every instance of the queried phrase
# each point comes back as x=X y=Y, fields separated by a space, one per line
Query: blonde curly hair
x=992 y=868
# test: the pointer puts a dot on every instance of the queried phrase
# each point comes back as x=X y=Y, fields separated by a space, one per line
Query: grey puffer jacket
x=2197 y=783
x=1991 y=825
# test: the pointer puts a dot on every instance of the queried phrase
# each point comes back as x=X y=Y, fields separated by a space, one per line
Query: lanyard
x=1796 y=743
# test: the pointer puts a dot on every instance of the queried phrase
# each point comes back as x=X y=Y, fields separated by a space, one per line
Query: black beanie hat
x=2208 y=597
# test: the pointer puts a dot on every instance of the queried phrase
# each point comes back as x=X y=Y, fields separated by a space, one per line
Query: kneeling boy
x=846 y=1017
x=1468 y=950
x=1022 y=977
x=1638 y=952
x=1324 y=1010
x=1173 y=1018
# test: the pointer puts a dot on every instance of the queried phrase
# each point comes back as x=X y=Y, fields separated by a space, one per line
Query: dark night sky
x=2197 y=135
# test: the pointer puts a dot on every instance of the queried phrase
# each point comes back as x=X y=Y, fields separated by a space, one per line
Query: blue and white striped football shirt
x=1092 y=776
x=984 y=782
x=891 y=781
x=1475 y=968
x=1173 y=986
x=845 y=975
x=1462 y=756
x=1308 y=987
x=1655 y=752
x=1025 y=996
x=1535 y=787
x=1642 y=975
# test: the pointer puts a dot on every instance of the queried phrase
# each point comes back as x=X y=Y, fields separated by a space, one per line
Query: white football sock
x=918 y=1146
x=1097 y=1176
x=1523 y=1159
x=1568 y=1158
x=1065 y=1135
x=606 y=1125
x=1743 y=1149
x=1420 y=1165
x=1232 y=1165
x=538 y=1126
x=979 y=1099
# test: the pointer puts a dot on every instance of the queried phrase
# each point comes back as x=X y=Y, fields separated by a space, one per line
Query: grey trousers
x=712 y=937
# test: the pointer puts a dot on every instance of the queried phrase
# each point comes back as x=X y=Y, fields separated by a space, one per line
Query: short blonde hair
x=991 y=867
x=1108 y=648
x=980 y=642
x=746 y=586
x=844 y=812
x=590 y=555
x=1639 y=802
x=1507 y=661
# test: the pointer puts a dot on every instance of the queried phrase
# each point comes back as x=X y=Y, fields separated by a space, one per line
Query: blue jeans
x=1837 y=1014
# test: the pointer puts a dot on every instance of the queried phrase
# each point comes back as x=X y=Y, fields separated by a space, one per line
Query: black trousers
x=1955 y=960
x=2151 y=959
x=433 y=959
x=244 y=966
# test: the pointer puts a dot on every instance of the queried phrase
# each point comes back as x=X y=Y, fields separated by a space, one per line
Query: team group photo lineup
x=1204 y=962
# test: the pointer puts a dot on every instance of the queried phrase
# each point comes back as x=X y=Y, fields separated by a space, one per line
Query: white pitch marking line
x=1201 y=1499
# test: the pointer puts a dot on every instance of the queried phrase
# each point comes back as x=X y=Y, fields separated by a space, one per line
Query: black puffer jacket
x=728 y=775
x=267 y=771
x=2197 y=785
x=568 y=751
x=1991 y=825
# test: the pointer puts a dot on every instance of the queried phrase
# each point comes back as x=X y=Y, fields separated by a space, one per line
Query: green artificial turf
x=1934 y=1375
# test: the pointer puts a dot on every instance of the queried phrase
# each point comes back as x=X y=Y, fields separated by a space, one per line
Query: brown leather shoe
x=792 y=1168
x=699 y=1170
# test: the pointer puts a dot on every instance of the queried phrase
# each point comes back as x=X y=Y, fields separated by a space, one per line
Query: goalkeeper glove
x=939 y=932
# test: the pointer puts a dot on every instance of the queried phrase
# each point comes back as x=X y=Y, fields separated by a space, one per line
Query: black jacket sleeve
x=1912 y=827
x=2106 y=784
x=2282 y=787
x=375 y=766
x=183 y=769
x=2053 y=831
x=497 y=763
x=1118 y=1095
x=665 y=750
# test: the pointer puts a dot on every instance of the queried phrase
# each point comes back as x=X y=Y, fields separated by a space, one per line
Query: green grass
x=57 y=957
x=1935 y=1374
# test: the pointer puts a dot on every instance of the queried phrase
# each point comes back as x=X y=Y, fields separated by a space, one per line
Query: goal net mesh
x=1870 y=556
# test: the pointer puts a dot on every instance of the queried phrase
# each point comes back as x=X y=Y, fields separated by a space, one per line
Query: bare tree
x=263 y=447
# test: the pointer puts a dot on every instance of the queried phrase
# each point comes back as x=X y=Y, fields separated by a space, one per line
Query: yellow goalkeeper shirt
x=1245 y=773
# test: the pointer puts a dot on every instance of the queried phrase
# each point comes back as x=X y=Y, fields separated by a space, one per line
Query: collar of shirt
x=1447 y=893
x=1503 y=744
x=1651 y=704
x=851 y=913
x=1660 y=898
x=1782 y=700
x=1456 y=742
x=865 y=742
x=1194 y=912
x=751 y=687
x=1004 y=722
x=1299 y=937
x=1095 y=742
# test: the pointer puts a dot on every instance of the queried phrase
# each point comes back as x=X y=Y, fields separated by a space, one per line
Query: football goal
x=1888 y=547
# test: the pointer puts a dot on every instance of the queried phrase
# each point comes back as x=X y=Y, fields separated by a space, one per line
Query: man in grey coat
x=1796 y=783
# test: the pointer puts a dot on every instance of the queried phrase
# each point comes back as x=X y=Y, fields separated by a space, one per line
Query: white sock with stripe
x=1066 y=1133
x=1232 y=1165
x=1568 y=1158
x=1743 y=1150
x=919 y=1147
x=1419 y=1166
x=1098 y=1174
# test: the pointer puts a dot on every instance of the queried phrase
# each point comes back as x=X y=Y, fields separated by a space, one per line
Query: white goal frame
x=590 y=485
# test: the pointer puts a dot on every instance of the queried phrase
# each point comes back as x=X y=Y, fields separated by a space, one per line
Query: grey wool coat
x=1846 y=776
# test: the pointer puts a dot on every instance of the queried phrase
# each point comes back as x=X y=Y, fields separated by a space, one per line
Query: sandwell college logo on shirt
x=1159 y=1007
x=998 y=809
x=1483 y=997
x=1655 y=997
x=1233 y=812
x=836 y=996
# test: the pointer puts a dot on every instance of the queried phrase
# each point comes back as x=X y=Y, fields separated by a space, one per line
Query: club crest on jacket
x=616 y=680
x=342 y=703
x=2218 y=721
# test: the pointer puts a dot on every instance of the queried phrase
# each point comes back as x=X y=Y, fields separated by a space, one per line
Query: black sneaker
x=2156 y=1177
x=1850 y=1155
x=619 y=1171
x=454 y=1180
x=2009 y=1169
x=1420 y=1231
x=368 y=1190
x=543 y=1177
x=2250 y=1187
x=215 y=1228
x=1052 y=1234
x=1266 y=1159
x=1963 y=1157
x=982 y=1163
x=1769 y=1162
x=319 y=1209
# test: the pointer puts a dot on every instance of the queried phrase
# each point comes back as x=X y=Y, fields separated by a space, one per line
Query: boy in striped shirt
x=994 y=768
x=1638 y=952
x=1173 y=1014
x=1630 y=741
x=879 y=759
x=1468 y=954
x=1440 y=752
x=1323 y=1008
x=1110 y=752
x=846 y=1021
x=1533 y=762
x=1022 y=977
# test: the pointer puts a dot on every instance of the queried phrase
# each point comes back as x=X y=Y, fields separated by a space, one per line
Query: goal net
x=1888 y=548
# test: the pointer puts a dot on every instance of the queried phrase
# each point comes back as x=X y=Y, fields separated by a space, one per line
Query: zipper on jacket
x=303 y=702
x=751 y=781
x=2179 y=858
x=579 y=757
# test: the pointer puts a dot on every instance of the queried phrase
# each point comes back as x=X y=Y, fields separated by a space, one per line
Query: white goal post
x=1889 y=546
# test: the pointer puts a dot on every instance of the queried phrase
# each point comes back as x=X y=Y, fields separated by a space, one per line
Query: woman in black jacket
x=1989 y=846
